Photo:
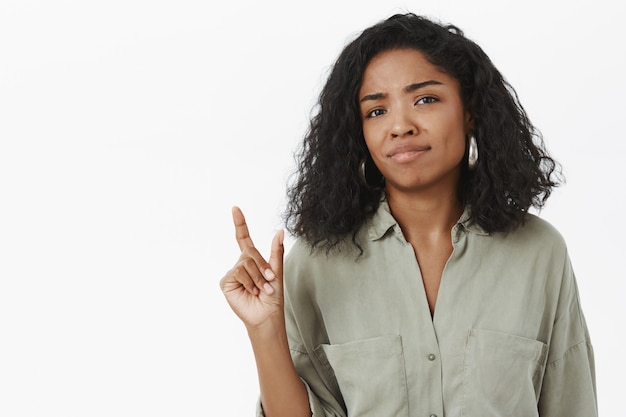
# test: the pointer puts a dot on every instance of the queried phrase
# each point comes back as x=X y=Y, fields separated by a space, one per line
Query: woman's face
x=413 y=122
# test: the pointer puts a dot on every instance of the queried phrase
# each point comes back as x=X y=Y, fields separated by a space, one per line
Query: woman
x=419 y=285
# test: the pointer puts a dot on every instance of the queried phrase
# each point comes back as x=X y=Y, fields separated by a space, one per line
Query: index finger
x=241 y=229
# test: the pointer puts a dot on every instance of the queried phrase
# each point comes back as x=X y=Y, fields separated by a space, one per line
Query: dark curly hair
x=328 y=202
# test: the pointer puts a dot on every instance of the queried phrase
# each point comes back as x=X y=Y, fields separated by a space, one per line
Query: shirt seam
x=585 y=342
x=298 y=351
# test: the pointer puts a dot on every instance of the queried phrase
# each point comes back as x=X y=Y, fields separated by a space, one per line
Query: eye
x=427 y=100
x=375 y=113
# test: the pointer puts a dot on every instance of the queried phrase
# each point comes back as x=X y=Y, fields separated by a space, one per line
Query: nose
x=402 y=125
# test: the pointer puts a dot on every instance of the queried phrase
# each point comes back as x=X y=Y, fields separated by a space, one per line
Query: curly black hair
x=328 y=202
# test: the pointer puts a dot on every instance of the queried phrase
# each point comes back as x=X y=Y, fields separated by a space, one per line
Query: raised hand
x=254 y=286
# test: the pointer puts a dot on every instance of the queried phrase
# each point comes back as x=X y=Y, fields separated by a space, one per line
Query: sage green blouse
x=508 y=337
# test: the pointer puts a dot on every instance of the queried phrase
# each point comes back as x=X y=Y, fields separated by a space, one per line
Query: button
x=433 y=415
x=432 y=357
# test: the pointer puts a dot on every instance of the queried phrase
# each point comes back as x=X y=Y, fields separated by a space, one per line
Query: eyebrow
x=408 y=89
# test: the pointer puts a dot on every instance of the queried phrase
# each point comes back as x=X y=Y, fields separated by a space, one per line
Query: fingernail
x=269 y=274
x=268 y=288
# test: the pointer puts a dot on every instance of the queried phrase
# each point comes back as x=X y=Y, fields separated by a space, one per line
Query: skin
x=414 y=127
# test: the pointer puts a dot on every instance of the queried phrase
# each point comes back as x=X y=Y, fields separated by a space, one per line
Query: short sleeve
x=569 y=387
x=317 y=409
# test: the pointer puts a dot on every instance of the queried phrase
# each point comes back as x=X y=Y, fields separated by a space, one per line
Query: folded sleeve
x=317 y=408
x=569 y=384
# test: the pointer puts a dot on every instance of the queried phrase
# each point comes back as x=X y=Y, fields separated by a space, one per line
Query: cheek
x=460 y=153
x=370 y=139
x=456 y=141
x=374 y=149
x=455 y=132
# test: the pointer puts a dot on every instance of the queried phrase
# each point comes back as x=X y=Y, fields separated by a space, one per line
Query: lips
x=407 y=152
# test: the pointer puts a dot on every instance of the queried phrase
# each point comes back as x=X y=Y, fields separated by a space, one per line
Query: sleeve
x=318 y=408
x=325 y=398
x=569 y=386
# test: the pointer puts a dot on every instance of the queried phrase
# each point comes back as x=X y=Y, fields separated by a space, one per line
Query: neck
x=424 y=215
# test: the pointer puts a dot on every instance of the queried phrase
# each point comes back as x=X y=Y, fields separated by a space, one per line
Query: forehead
x=400 y=67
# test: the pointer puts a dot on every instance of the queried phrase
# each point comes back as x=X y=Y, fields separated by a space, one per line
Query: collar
x=466 y=223
x=383 y=221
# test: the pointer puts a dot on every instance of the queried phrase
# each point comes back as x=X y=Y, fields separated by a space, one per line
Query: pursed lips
x=407 y=152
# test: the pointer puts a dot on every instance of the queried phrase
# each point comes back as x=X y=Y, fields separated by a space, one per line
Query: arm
x=254 y=290
x=282 y=391
x=303 y=326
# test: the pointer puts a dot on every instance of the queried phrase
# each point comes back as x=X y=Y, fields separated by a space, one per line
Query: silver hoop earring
x=472 y=153
x=362 y=176
x=376 y=180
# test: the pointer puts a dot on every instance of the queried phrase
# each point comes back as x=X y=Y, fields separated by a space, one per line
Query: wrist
x=270 y=344
x=273 y=329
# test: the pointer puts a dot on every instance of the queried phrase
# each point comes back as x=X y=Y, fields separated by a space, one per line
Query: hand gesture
x=254 y=287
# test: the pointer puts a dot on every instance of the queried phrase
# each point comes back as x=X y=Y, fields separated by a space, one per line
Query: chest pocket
x=502 y=374
x=371 y=375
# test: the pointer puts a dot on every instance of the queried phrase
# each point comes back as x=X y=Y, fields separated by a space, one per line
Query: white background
x=129 y=128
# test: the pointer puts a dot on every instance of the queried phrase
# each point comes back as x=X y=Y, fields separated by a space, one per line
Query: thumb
x=277 y=254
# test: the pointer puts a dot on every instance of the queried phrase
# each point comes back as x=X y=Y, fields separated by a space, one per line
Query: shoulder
x=538 y=226
x=303 y=256
x=308 y=267
x=537 y=233
x=536 y=248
